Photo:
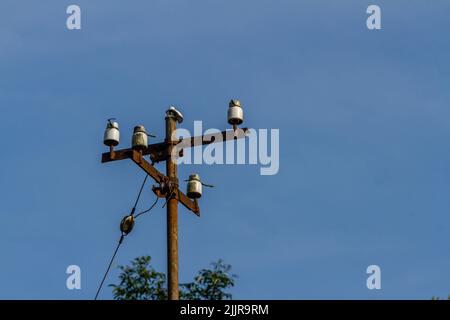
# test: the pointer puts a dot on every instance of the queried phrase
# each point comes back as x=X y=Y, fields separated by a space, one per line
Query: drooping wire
x=124 y=234
x=139 y=194
x=145 y=211
x=109 y=266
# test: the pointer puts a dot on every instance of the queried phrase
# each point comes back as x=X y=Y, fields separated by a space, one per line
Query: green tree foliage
x=438 y=298
x=141 y=282
x=210 y=284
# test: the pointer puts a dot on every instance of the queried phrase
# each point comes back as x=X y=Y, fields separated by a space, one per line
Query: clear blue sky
x=364 y=119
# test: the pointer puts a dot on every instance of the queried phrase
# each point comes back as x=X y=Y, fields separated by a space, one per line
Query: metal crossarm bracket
x=188 y=203
x=148 y=168
x=157 y=151
x=161 y=178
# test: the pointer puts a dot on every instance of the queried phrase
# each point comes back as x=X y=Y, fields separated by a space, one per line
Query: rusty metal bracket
x=159 y=192
x=147 y=167
x=162 y=191
x=188 y=203
x=158 y=153
x=191 y=205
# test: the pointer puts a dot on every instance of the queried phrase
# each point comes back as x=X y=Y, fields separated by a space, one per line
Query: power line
x=139 y=195
x=145 y=211
x=109 y=266
x=125 y=230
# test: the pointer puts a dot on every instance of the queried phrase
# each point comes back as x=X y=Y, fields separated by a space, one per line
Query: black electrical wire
x=139 y=194
x=123 y=235
x=145 y=211
x=109 y=266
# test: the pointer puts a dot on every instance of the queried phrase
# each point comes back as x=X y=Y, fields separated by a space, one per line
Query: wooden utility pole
x=168 y=185
x=172 y=212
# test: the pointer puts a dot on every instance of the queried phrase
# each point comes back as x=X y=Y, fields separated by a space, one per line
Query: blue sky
x=364 y=158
